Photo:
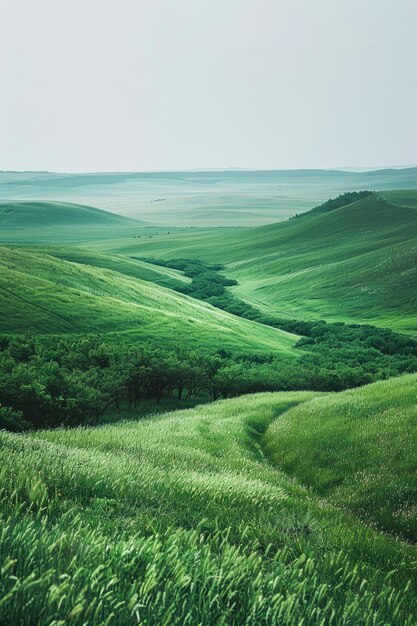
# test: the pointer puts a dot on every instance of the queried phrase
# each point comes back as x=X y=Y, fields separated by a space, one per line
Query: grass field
x=179 y=519
x=402 y=198
x=129 y=266
x=358 y=450
x=43 y=294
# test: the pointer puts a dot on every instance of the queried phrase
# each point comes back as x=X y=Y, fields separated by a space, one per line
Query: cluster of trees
x=335 y=203
x=76 y=380
x=71 y=381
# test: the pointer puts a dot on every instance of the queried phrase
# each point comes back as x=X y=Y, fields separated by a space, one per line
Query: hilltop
x=57 y=214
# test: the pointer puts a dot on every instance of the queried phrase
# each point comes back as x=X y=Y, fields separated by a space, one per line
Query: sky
x=132 y=85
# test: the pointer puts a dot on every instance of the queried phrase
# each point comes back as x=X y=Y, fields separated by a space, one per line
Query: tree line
x=336 y=203
x=49 y=382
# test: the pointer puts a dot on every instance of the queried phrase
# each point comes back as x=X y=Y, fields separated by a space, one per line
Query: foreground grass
x=179 y=519
x=357 y=449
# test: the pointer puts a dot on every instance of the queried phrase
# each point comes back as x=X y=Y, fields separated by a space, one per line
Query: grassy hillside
x=179 y=520
x=43 y=294
x=358 y=450
x=402 y=198
x=356 y=263
x=130 y=266
x=55 y=214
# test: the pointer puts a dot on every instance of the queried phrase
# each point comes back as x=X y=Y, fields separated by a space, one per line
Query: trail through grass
x=179 y=519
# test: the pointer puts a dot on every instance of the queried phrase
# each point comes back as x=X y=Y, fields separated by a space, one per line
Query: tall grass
x=179 y=519
x=359 y=450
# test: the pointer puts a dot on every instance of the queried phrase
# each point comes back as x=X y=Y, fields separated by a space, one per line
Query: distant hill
x=53 y=214
x=203 y=198
x=355 y=263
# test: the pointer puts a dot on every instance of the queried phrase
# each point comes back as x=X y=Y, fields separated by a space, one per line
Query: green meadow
x=181 y=519
x=288 y=494
x=357 y=263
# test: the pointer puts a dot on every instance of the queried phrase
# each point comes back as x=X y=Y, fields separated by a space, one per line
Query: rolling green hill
x=133 y=267
x=180 y=520
x=57 y=214
x=43 y=294
x=357 y=449
x=356 y=263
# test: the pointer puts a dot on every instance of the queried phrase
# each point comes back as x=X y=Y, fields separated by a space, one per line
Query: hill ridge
x=48 y=213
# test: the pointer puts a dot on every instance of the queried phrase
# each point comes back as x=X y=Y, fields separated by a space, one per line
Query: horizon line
x=353 y=169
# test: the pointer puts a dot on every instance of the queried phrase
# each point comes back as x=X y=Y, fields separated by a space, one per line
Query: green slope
x=402 y=198
x=56 y=214
x=43 y=294
x=179 y=520
x=356 y=263
x=357 y=449
x=164 y=276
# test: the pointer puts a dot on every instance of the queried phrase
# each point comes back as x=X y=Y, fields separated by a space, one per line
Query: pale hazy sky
x=93 y=85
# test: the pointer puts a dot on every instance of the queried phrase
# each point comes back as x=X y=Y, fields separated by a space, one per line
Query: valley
x=287 y=493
